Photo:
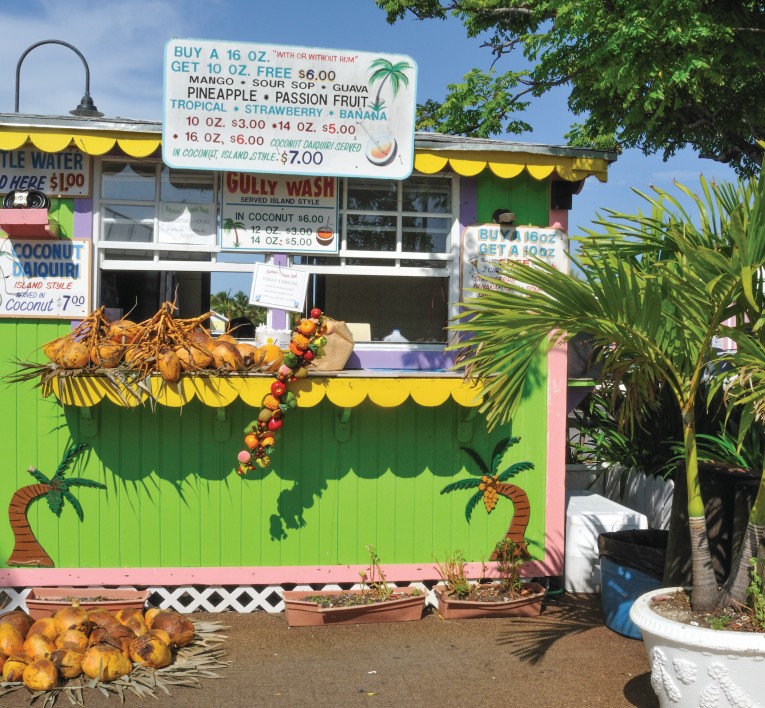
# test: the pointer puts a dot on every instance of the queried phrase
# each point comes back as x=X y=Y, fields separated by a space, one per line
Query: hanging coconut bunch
x=100 y=644
x=306 y=345
x=162 y=345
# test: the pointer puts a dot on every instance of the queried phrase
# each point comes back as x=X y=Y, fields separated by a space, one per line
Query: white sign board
x=280 y=214
x=188 y=224
x=485 y=246
x=278 y=287
x=288 y=110
x=48 y=279
x=57 y=174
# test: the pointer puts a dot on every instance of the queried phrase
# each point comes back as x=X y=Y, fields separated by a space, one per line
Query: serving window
x=156 y=236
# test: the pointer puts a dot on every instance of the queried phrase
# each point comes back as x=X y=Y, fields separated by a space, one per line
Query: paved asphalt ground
x=565 y=657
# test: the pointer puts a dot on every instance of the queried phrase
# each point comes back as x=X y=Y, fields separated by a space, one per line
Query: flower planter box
x=407 y=605
x=452 y=607
x=45 y=602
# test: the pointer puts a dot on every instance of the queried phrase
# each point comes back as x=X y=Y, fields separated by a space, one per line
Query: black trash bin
x=631 y=564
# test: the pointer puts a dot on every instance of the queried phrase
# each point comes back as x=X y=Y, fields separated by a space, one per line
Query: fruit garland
x=308 y=338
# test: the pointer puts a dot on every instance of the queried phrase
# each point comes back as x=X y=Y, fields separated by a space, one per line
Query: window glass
x=186 y=186
x=372 y=195
x=128 y=223
x=371 y=232
x=431 y=196
x=133 y=181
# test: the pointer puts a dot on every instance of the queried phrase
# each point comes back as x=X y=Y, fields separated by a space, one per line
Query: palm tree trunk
x=26 y=549
x=738 y=581
x=704 y=590
x=516 y=532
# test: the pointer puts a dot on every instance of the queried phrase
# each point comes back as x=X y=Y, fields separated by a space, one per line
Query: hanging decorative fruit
x=308 y=338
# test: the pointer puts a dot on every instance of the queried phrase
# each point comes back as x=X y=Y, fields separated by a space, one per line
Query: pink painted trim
x=561 y=216
x=261 y=575
x=557 y=388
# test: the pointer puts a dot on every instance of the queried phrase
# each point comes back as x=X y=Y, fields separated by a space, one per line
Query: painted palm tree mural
x=493 y=484
x=56 y=490
x=386 y=71
x=230 y=225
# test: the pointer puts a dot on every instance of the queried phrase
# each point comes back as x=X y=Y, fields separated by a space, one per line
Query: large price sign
x=45 y=278
x=288 y=110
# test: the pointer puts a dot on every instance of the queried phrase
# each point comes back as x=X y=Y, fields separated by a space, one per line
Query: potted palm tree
x=654 y=292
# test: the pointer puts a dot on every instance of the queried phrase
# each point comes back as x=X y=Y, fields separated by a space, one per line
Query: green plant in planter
x=653 y=292
x=453 y=571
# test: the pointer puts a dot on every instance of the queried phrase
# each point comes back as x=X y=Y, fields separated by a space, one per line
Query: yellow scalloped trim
x=92 y=144
x=511 y=164
x=218 y=392
x=467 y=164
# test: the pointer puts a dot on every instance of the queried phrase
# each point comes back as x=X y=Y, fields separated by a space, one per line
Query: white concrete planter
x=695 y=666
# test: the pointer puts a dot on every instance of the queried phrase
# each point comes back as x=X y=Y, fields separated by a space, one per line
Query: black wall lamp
x=86 y=109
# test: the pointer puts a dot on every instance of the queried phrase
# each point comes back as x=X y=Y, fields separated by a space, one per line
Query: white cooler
x=587 y=516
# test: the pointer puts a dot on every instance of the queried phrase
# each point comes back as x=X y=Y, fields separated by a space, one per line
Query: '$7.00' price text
x=64 y=181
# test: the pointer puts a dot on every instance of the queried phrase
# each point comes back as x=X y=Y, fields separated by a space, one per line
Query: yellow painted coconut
x=72 y=639
x=137 y=624
x=273 y=357
x=53 y=349
x=124 y=331
x=99 y=616
x=251 y=355
x=21 y=620
x=106 y=355
x=164 y=636
x=227 y=338
x=3 y=657
x=13 y=669
x=150 y=651
x=227 y=356
x=105 y=662
x=169 y=365
x=74 y=355
x=72 y=617
x=11 y=641
x=68 y=662
x=37 y=646
x=45 y=626
x=150 y=614
x=40 y=675
x=180 y=629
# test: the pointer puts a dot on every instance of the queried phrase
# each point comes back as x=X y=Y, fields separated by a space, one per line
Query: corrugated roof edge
x=423 y=140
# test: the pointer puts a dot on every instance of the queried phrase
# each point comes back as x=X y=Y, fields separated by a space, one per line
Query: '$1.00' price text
x=61 y=182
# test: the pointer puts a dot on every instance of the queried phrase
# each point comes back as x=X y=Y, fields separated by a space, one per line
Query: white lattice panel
x=212 y=598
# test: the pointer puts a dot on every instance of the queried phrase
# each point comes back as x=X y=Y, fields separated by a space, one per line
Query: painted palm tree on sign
x=230 y=225
x=386 y=71
x=27 y=549
x=492 y=484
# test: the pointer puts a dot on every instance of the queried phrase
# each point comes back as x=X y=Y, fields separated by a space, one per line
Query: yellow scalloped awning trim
x=511 y=164
x=217 y=392
x=135 y=145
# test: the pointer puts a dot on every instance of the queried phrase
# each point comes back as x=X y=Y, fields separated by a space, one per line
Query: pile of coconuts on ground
x=162 y=344
x=100 y=644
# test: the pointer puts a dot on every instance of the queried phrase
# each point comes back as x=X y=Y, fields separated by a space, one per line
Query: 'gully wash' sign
x=485 y=246
x=288 y=110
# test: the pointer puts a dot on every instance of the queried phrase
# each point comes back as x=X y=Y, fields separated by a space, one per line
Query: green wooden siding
x=527 y=197
x=173 y=497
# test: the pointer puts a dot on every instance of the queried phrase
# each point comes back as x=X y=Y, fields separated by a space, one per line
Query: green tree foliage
x=657 y=76
x=654 y=292
x=237 y=305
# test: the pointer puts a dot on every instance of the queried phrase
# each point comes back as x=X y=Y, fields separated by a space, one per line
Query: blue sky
x=123 y=43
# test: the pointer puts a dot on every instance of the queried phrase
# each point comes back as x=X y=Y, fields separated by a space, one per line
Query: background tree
x=237 y=305
x=657 y=76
